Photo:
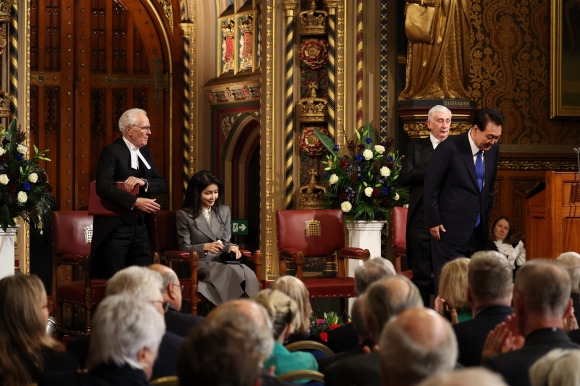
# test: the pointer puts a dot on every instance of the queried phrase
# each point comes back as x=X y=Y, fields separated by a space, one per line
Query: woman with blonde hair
x=27 y=351
x=297 y=291
x=283 y=312
x=451 y=301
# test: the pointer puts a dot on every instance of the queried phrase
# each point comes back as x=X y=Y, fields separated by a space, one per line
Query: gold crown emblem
x=247 y=24
x=313 y=108
x=4 y=104
x=228 y=27
x=313 y=21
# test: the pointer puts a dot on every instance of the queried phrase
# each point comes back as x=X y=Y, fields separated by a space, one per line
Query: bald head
x=414 y=345
x=386 y=298
x=474 y=376
x=171 y=285
x=260 y=328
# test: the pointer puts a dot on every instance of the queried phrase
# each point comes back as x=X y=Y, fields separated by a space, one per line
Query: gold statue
x=437 y=67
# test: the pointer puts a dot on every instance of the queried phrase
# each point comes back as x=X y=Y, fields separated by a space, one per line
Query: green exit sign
x=239 y=227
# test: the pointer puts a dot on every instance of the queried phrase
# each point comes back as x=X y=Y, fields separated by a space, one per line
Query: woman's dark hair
x=508 y=238
x=195 y=186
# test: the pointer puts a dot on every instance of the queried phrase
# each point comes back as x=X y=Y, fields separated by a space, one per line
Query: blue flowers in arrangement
x=363 y=176
x=24 y=188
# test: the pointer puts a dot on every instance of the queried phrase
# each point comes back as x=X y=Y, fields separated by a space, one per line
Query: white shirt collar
x=474 y=148
x=434 y=141
x=135 y=155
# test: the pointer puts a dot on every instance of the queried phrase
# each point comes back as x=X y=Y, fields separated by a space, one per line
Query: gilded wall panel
x=510 y=70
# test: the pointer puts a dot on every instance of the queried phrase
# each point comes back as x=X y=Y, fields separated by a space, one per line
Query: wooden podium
x=553 y=217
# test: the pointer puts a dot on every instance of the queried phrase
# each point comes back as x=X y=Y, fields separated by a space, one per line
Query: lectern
x=553 y=217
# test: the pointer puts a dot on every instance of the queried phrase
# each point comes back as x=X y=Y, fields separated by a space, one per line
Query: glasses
x=165 y=305
x=146 y=128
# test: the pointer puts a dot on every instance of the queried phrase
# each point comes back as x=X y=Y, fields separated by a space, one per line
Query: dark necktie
x=479 y=172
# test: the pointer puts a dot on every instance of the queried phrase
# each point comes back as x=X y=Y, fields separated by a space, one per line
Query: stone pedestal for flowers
x=7 y=239
x=366 y=235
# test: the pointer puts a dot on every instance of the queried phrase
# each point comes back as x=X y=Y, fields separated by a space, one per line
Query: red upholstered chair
x=317 y=233
x=166 y=251
x=399 y=232
x=72 y=233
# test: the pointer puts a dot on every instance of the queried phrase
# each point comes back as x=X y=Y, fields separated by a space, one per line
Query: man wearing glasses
x=122 y=241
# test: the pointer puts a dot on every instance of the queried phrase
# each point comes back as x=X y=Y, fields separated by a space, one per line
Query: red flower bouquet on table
x=319 y=327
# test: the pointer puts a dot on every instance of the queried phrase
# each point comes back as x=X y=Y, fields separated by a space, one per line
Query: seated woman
x=451 y=302
x=283 y=313
x=297 y=291
x=502 y=241
x=203 y=226
x=27 y=351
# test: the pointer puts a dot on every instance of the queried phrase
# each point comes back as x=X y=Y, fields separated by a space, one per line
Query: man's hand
x=147 y=205
x=132 y=181
x=435 y=231
x=503 y=338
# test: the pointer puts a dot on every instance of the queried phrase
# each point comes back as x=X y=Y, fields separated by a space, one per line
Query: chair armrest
x=179 y=256
x=258 y=259
x=308 y=345
x=350 y=253
x=194 y=264
x=301 y=374
x=71 y=259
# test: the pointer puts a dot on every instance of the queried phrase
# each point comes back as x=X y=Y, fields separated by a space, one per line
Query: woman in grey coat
x=203 y=225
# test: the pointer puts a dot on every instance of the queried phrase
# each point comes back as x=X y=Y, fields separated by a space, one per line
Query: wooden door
x=90 y=61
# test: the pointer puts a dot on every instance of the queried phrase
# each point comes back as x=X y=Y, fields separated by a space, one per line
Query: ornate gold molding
x=5 y=10
x=537 y=161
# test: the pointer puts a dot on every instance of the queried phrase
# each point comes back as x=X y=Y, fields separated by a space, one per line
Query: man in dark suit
x=384 y=299
x=489 y=291
x=176 y=322
x=459 y=190
x=413 y=171
x=121 y=241
x=541 y=298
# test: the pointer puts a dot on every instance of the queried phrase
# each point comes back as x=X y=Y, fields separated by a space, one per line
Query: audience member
x=503 y=241
x=345 y=338
x=221 y=351
x=124 y=344
x=297 y=291
x=383 y=299
x=259 y=330
x=571 y=263
x=489 y=291
x=474 y=376
x=360 y=327
x=559 y=367
x=283 y=312
x=451 y=301
x=144 y=284
x=414 y=345
x=26 y=351
x=541 y=299
x=176 y=322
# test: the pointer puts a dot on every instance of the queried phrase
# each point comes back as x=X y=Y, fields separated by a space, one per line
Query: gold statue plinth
x=414 y=113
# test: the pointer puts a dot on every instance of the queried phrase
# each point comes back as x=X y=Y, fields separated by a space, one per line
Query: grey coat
x=218 y=282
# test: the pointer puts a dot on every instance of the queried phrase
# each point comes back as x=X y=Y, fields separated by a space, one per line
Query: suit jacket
x=218 y=282
x=471 y=334
x=514 y=365
x=115 y=165
x=359 y=370
x=413 y=172
x=452 y=195
x=102 y=375
x=193 y=233
x=180 y=323
x=164 y=365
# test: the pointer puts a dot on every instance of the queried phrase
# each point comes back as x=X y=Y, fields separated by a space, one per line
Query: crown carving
x=4 y=104
x=312 y=195
x=247 y=24
x=313 y=108
x=229 y=27
x=313 y=21
x=5 y=11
